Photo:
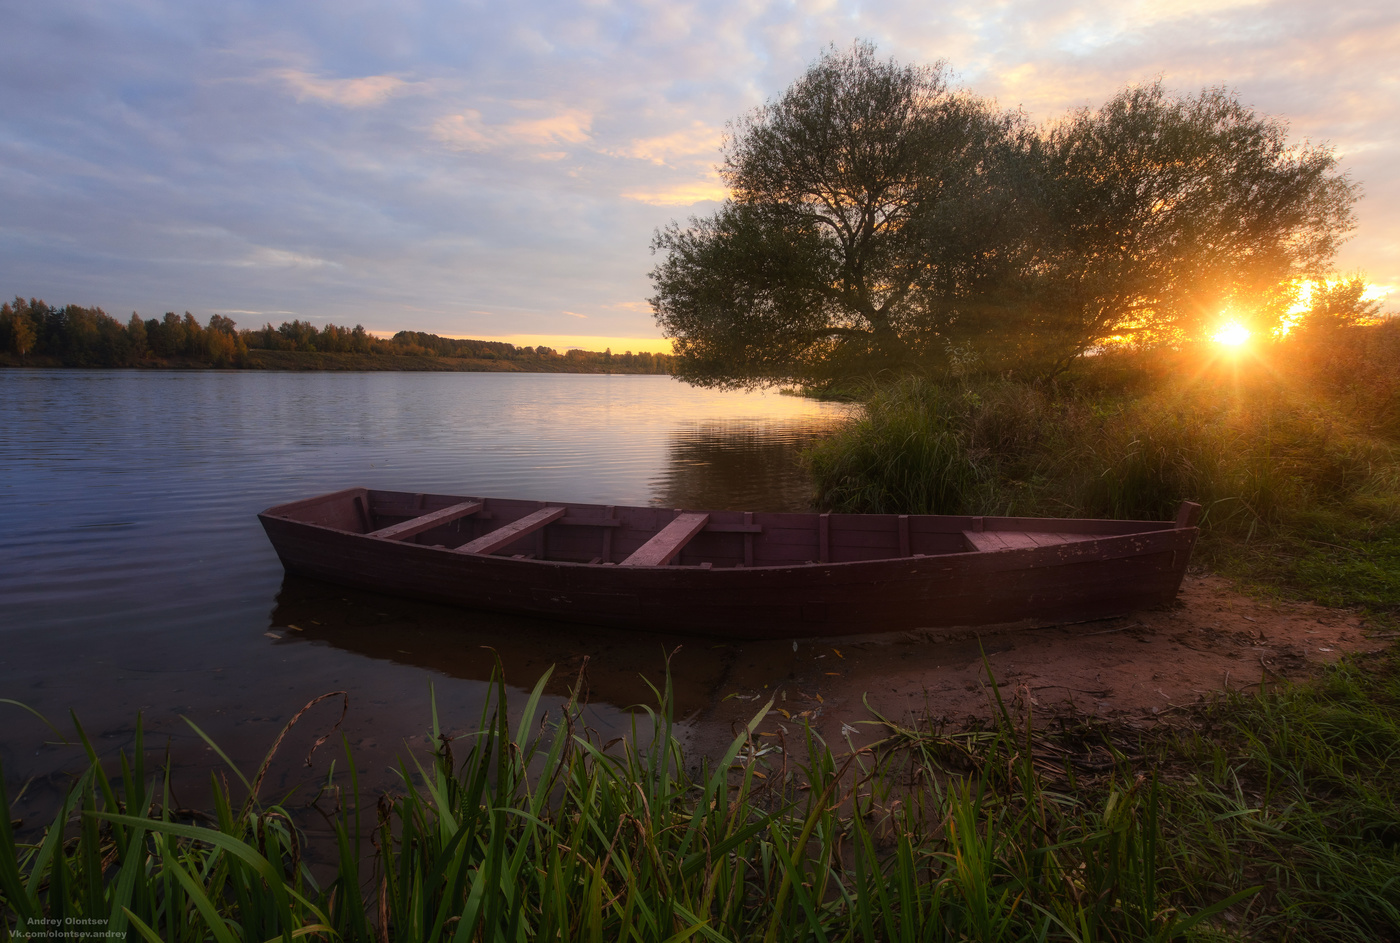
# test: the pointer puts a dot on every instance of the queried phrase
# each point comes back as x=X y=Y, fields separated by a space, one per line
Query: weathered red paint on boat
x=740 y=575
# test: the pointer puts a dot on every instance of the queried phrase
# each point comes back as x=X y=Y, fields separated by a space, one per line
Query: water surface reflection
x=135 y=579
x=737 y=466
x=614 y=668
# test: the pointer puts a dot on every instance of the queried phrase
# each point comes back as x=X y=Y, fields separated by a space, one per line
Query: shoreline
x=327 y=362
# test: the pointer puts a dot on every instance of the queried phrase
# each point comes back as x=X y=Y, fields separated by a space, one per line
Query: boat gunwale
x=1091 y=541
x=1154 y=526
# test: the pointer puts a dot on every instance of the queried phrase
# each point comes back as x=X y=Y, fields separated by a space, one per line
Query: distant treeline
x=32 y=332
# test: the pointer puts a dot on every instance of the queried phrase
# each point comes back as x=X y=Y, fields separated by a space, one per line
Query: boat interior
x=633 y=536
x=651 y=536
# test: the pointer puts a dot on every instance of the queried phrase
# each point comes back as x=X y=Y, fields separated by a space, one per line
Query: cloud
x=680 y=194
x=265 y=257
x=618 y=344
x=260 y=314
x=699 y=142
x=641 y=306
x=468 y=130
x=364 y=92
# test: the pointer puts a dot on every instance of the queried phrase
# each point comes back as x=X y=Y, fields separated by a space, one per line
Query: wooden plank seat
x=662 y=548
x=417 y=525
x=988 y=540
x=502 y=536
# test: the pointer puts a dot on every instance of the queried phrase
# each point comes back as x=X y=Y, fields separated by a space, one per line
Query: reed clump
x=908 y=453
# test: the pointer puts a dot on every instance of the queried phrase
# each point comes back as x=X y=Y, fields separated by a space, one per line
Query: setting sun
x=1231 y=335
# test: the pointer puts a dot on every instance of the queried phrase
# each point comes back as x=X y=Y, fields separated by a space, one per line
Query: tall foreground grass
x=1298 y=790
x=539 y=833
x=1294 y=453
x=1269 y=818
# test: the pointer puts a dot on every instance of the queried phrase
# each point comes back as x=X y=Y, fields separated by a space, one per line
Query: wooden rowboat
x=731 y=573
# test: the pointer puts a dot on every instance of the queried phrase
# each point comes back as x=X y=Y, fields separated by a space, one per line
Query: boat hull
x=1089 y=576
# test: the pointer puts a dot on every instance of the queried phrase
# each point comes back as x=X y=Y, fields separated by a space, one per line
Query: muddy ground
x=1140 y=668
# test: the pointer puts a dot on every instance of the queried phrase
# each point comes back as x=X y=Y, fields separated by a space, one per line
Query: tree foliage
x=89 y=337
x=1162 y=212
x=880 y=219
x=864 y=208
x=1337 y=305
x=74 y=336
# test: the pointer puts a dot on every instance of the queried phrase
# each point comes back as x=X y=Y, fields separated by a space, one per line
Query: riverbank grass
x=542 y=834
x=1268 y=818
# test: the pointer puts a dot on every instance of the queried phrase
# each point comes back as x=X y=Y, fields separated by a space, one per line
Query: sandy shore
x=1140 y=667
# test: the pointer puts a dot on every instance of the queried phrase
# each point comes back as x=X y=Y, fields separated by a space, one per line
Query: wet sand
x=1140 y=667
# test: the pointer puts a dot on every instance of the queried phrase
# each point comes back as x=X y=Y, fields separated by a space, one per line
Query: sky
x=499 y=170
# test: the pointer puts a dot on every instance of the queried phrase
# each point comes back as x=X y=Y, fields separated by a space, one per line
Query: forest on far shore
x=33 y=333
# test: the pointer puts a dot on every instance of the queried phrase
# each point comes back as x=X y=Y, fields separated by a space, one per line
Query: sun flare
x=1231 y=335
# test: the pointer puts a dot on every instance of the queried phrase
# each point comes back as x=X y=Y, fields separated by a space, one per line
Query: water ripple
x=129 y=544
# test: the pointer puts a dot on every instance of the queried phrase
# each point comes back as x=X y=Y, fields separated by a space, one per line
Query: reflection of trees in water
x=738 y=466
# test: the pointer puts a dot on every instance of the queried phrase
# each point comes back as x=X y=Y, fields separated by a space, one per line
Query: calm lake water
x=136 y=580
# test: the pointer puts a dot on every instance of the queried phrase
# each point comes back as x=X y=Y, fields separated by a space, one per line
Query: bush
x=1264 y=444
x=908 y=453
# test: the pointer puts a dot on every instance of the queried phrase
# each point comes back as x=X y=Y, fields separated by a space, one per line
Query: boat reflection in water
x=613 y=666
x=613 y=670
x=386 y=650
x=387 y=644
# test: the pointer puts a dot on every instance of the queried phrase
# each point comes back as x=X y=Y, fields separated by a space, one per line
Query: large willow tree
x=879 y=219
